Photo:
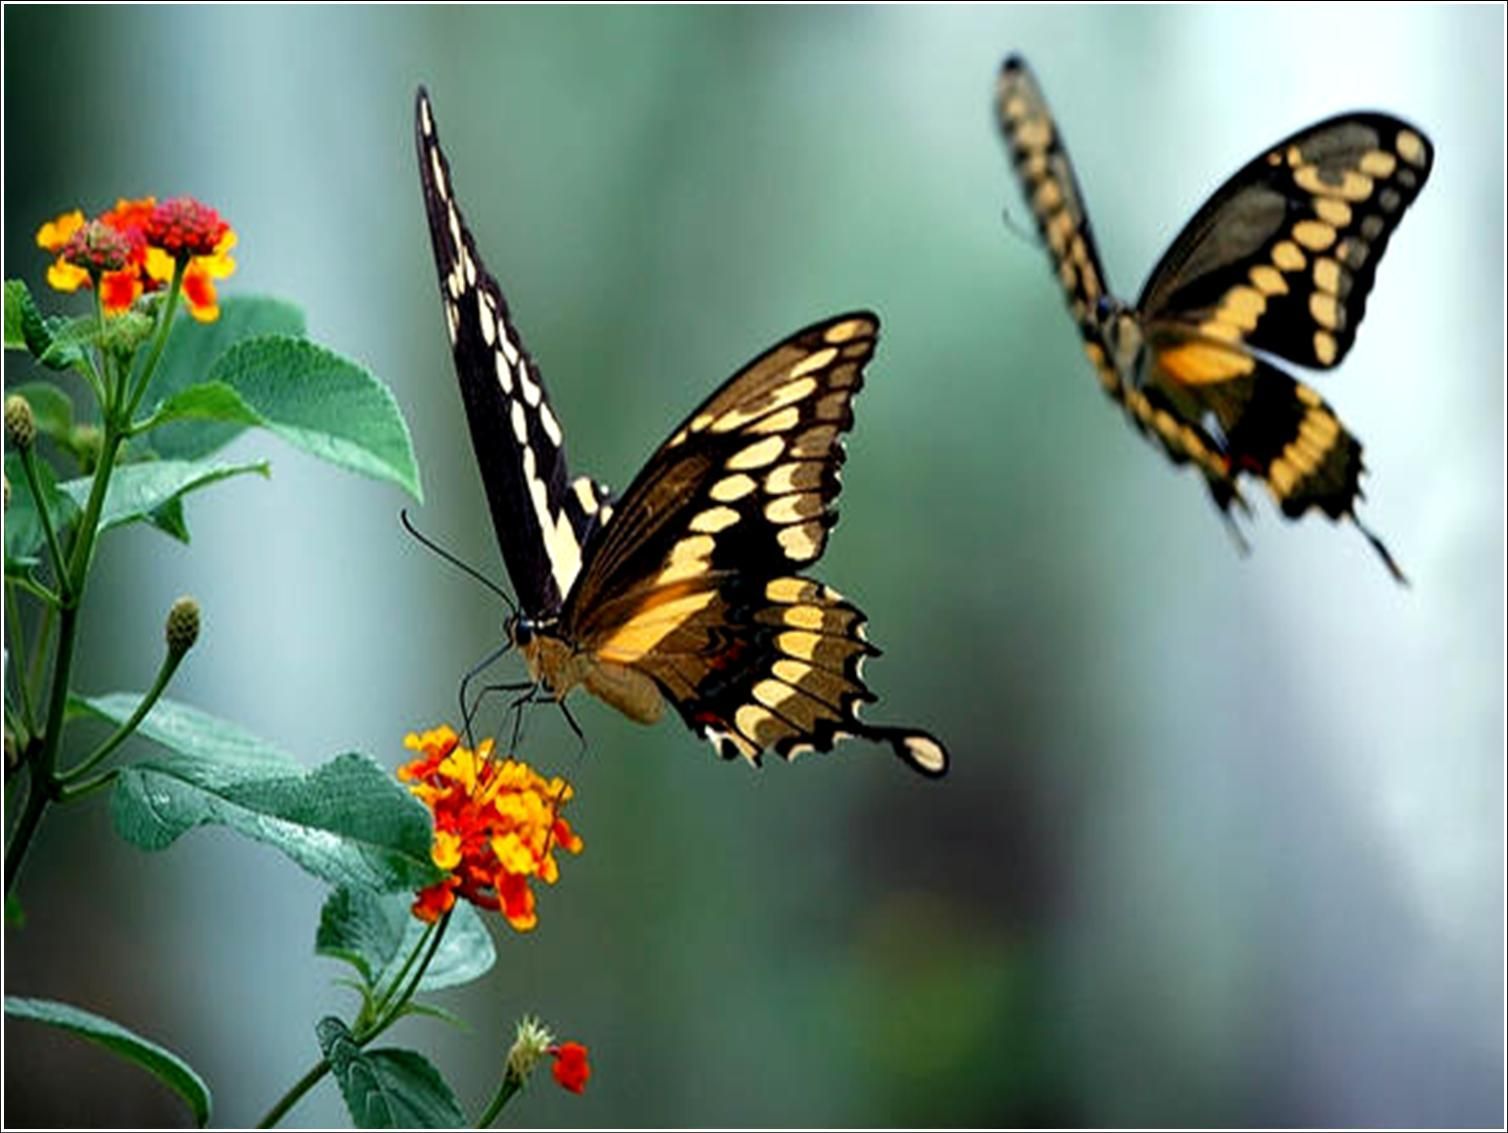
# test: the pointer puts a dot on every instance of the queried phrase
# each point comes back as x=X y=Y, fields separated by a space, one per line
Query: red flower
x=183 y=228
x=571 y=1068
x=497 y=826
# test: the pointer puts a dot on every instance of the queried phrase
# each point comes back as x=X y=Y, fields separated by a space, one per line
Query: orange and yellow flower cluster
x=497 y=826
x=135 y=247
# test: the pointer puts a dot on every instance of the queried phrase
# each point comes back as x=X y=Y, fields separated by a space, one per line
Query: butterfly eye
x=1102 y=308
x=523 y=632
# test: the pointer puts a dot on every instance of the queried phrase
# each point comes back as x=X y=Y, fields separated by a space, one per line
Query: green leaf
x=346 y=821
x=51 y=407
x=191 y=351
x=25 y=328
x=375 y=934
x=161 y=1063
x=70 y=337
x=389 y=1088
x=139 y=491
x=23 y=526
x=314 y=399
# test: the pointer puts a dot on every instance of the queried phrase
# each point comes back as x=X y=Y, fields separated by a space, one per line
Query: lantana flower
x=570 y=1067
x=497 y=826
x=158 y=237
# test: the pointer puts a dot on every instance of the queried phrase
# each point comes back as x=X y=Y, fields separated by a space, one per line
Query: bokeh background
x=1223 y=842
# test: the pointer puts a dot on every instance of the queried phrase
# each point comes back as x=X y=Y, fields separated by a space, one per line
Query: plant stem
x=18 y=650
x=170 y=662
x=169 y=309
x=75 y=791
x=510 y=1086
x=29 y=466
x=317 y=1072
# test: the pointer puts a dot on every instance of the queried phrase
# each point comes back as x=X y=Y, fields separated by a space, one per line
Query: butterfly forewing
x=695 y=580
x=1282 y=257
x=542 y=519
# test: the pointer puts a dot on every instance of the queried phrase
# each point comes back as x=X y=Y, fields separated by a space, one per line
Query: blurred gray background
x=1223 y=842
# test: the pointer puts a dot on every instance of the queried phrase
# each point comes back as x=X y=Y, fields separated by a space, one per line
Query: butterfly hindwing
x=542 y=519
x=695 y=580
x=1281 y=258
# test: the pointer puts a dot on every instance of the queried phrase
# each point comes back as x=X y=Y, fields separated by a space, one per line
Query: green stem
x=29 y=466
x=75 y=791
x=100 y=378
x=169 y=309
x=510 y=1086
x=44 y=784
x=18 y=650
x=317 y=1072
x=165 y=673
x=380 y=1005
x=44 y=638
x=37 y=591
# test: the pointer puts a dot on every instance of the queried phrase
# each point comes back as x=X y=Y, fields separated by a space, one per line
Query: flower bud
x=182 y=626
x=20 y=425
x=125 y=333
x=98 y=248
x=532 y=1043
x=184 y=227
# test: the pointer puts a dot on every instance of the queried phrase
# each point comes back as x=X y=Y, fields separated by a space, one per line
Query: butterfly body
x=686 y=588
x=1274 y=268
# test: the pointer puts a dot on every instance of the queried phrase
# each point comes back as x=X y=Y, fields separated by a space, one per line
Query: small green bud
x=87 y=441
x=125 y=333
x=182 y=626
x=20 y=425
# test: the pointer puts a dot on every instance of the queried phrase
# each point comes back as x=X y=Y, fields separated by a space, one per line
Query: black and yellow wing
x=697 y=579
x=543 y=519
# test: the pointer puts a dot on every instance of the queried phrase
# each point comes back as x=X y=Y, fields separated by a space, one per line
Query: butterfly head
x=1120 y=334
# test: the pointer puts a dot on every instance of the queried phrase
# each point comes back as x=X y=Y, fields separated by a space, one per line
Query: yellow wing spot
x=714 y=520
x=1049 y=195
x=700 y=422
x=783 y=396
x=1059 y=229
x=1377 y=163
x=759 y=725
x=1286 y=254
x=798 y=476
x=731 y=488
x=1350 y=186
x=1034 y=133
x=926 y=753
x=801 y=542
x=778 y=422
x=757 y=455
x=1321 y=429
x=1242 y=306
x=651 y=623
x=792 y=672
x=814 y=362
x=1014 y=107
x=1315 y=235
x=1327 y=275
x=788 y=509
x=1410 y=147
x=679 y=438
x=772 y=694
x=813 y=442
x=1307 y=395
x=802 y=617
x=1332 y=211
x=1269 y=280
x=1281 y=478
x=688 y=559
x=1295 y=156
x=842 y=332
x=1325 y=347
x=1198 y=363
x=790 y=590
x=1325 y=309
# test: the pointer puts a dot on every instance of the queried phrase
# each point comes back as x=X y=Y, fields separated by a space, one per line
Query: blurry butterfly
x=1275 y=267
x=686 y=587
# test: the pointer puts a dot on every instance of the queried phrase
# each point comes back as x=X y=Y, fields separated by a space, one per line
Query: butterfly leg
x=471 y=674
x=1381 y=549
x=575 y=727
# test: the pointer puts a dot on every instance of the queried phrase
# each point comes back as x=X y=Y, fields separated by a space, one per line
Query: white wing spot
x=583 y=489
x=561 y=547
x=552 y=426
x=520 y=423
x=484 y=312
x=504 y=371
x=531 y=388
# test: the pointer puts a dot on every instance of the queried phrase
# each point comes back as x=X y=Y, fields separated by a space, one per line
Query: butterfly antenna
x=1382 y=551
x=1017 y=229
x=457 y=563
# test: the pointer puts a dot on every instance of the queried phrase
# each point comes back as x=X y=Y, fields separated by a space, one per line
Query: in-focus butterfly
x=687 y=587
x=1275 y=267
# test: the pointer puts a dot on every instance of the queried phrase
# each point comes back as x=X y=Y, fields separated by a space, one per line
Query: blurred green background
x=1223 y=841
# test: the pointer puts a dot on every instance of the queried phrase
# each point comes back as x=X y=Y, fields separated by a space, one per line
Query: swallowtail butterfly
x=688 y=586
x=1275 y=267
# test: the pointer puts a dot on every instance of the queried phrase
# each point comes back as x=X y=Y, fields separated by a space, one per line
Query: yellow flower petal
x=55 y=233
x=66 y=277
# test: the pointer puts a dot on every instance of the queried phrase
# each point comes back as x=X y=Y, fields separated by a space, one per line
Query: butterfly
x=1274 y=268
x=687 y=587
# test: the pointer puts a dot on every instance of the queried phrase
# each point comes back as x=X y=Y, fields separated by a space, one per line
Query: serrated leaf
x=69 y=338
x=346 y=821
x=138 y=491
x=169 y=1069
x=314 y=399
x=191 y=352
x=389 y=1088
x=25 y=329
x=50 y=407
x=23 y=526
x=376 y=933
